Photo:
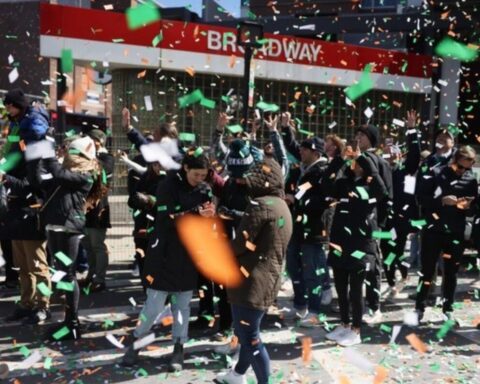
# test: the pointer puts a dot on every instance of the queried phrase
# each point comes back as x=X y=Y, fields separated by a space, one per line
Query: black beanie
x=371 y=132
x=239 y=158
x=17 y=98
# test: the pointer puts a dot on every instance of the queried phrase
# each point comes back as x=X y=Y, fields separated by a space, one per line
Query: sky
x=196 y=5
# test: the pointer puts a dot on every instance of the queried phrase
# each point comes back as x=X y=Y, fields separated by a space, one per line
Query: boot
x=130 y=357
x=176 y=361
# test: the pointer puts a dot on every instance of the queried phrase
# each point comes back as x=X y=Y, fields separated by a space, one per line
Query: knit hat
x=314 y=144
x=371 y=132
x=17 y=98
x=99 y=135
x=83 y=146
x=239 y=158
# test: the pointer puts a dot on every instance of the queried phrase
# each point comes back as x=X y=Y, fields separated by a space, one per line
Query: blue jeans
x=246 y=322
x=155 y=304
x=307 y=267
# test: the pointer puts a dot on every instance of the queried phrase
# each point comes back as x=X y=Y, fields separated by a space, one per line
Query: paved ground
x=455 y=359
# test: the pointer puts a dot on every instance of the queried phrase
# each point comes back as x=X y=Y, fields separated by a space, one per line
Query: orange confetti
x=149 y=279
x=233 y=61
x=190 y=71
x=306 y=349
x=343 y=380
x=250 y=246
x=195 y=32
x=266 y=169
x=166 y=321
x=336 y=246
x=141 y=74
x=297 y=95
x=210 y=253
x=447 y=256
x=381 y=374
x=416 y=343
x=343 y=62
x=244 y=271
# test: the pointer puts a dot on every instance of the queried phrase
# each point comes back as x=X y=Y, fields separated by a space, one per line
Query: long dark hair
x=195 y=158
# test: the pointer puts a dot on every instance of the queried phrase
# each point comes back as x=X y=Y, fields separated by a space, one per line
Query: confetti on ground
x=416 y=343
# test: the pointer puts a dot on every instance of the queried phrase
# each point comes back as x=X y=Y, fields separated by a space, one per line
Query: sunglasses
x=460 y=167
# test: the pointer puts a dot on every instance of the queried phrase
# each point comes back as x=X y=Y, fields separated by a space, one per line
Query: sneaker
x=37 y=317
x=310 y=320
x=176 y=360
x=349 y=339
x=373 y=318
x=231 y=377
x=19 y=313
x=326 y=297
x=339 y=332
x=220 y=336
x=413 y=319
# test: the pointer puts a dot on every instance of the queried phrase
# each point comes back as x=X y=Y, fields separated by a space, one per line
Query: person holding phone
x=447 y=203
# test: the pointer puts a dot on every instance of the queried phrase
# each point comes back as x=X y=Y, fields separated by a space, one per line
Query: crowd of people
x=334 y=214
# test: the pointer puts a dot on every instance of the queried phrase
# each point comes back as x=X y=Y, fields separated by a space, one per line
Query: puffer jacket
x=168 y=266
x=267 y=225
x=65 y=193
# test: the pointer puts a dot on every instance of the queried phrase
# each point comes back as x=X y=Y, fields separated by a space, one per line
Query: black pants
x=353 y=279
x=373 y=277
x=11 y=276
x=451 y=247
x=141 y=245
x=68 y=244
x=397 y=247
x=207 y=307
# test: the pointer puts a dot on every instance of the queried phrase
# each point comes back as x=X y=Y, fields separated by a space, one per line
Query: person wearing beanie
x=98 y=220
x=29 y=123
x=68 y=190
x=312 y=219
x=367 y=138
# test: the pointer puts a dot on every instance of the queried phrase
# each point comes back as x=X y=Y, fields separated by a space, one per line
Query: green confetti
x=418 y=223
x=44 y=290
x=389 y=260
x=363 y=193
x=364 y=85
x=47 y=364
x=198 y=152
x=25 y=351
x=267 y=107
x=65 y=286
x=63 y=258
x=62 y=332
x=234 y=129
x=281 y=222
x=385 y=328
x=187 y=136
x=157 y=39
x=67 y=60
x=446 y=327
x=104 y=177
x=358 y=254
x=453 y=49
x=190 y=98
x=13 y=138
x=142 y=15
x=208 y=103
x=161 y=208
x=382 y=235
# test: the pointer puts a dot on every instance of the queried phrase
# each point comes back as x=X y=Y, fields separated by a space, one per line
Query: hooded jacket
x=266 y=224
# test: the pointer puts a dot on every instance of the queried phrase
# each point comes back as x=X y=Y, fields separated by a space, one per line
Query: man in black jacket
x=368 y=137
x=447 y=202
x=306 y=259
x=98 y=220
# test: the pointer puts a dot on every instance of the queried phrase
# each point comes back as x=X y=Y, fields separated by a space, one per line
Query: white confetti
x=368 y=112
x=148 y=103
x=13 y=75
x=112 y=339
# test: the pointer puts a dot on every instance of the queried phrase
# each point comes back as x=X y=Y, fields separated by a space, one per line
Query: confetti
x=13 y=75
x=214 y=258
x=453 y=49
x=62 y=332
x=364 y=85
x=306 y=349
x=63 y=258
x=44 y=290
x=67 y=60
x=142 y=15
x=416 y=343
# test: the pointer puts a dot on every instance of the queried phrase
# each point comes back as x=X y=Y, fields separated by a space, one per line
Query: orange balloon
x=209 y=248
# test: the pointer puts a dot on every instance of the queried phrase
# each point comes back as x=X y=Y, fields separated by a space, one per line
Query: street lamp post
x=248 y=35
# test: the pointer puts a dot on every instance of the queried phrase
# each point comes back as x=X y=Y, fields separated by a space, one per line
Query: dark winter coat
x=268 y=223
x=142 y=201
x=443 y=218
x=405 y=208
x=65 y=193
x=355 y=216
x=232 y=204
x=99 y=216
x=167 y=261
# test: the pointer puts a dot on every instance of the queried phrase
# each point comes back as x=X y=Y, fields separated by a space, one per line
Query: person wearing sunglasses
x=448 y=202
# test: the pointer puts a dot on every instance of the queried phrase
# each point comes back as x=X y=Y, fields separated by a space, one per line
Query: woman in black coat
x=352 y=247
x=168 y=269
x=67 y=188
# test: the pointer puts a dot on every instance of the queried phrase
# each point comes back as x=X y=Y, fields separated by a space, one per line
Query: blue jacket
x=34 y=125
